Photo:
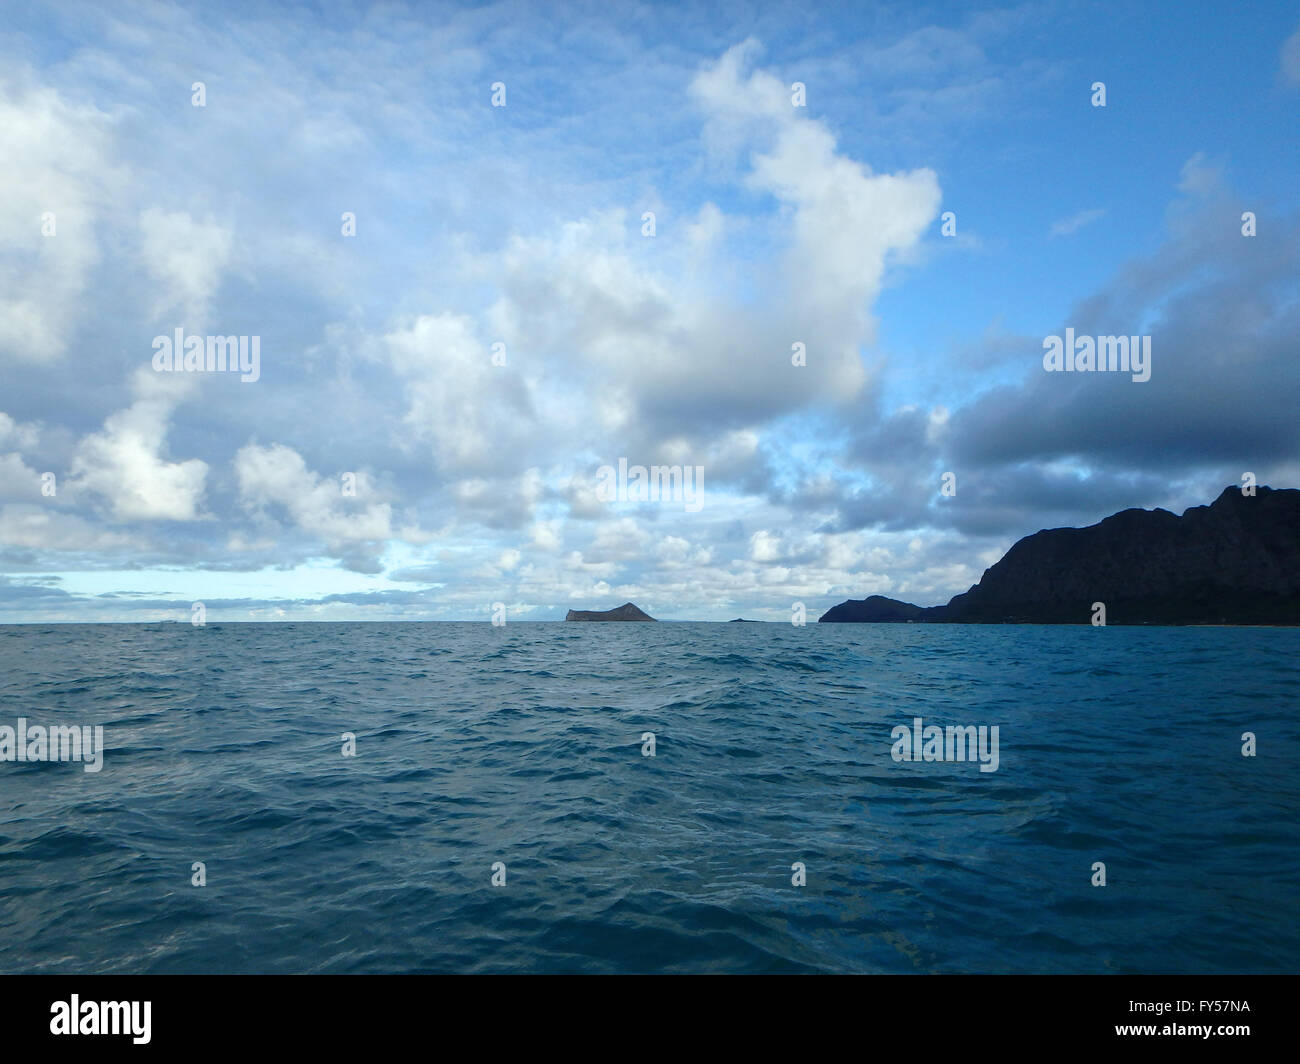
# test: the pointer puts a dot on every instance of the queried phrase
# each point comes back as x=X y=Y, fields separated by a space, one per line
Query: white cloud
x=277 y=477
x=187 y=260
x=17 y=480
x=546 y=535
x=1072 y=224
x=1290 y=58
x=17 y=434
x=657 y=353
x=124 y=462
x=765 y=546
x=473 y=415
x=56 y=170
x=36 y=527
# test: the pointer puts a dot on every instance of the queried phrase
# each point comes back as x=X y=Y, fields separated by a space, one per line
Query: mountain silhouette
x=1235 y=561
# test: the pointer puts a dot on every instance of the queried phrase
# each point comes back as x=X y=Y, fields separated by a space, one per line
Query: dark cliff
x=1236 y=561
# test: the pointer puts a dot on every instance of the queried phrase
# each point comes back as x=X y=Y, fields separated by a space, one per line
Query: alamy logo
x=59 y=742
x=1088 y=354
x=929 y=742
x=684 y=484
x=209 y=354
x=102 y=1017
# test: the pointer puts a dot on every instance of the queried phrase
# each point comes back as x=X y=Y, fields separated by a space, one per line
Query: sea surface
x=523 y=745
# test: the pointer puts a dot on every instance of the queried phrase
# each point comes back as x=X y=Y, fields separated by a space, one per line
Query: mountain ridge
x=1233 y=561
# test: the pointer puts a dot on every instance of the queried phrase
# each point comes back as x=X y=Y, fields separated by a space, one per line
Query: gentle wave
x=523 y=745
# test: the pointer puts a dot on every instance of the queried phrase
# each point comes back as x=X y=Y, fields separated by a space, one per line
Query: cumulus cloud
x=471 y=414
x=663 y=356
x=125 y=465
x=36 y=527
x=17 y=479
x=845 y=222
x=186 y=259
x=56 y=179
x=16 y=434
x=274 y=480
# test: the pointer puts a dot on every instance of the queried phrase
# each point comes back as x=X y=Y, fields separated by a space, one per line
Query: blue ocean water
x=523 y=745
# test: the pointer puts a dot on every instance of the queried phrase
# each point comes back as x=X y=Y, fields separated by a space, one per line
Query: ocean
x=766 y=826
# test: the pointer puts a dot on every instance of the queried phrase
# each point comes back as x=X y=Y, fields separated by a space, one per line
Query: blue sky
x=522 y=224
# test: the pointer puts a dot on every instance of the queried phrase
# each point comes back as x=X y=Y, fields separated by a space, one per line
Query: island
x=1235 y=561
x=625 y=612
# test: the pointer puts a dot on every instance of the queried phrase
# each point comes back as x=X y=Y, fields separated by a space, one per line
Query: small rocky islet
x=625 y=612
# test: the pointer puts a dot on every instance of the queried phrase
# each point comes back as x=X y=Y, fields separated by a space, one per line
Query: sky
x=485 y=252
